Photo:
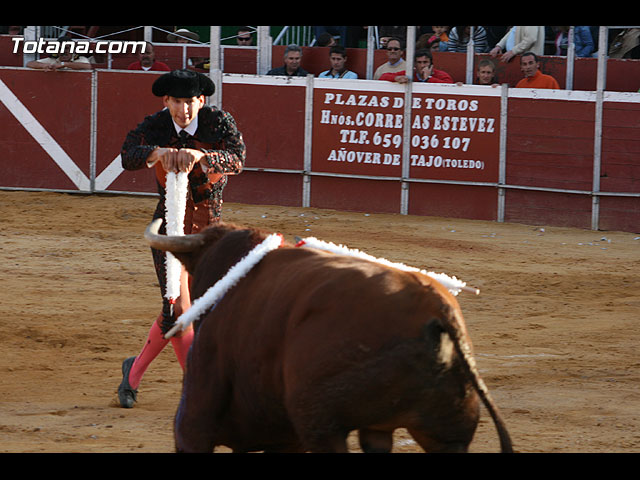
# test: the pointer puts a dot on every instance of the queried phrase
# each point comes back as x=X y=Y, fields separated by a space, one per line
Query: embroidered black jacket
x=217 y=135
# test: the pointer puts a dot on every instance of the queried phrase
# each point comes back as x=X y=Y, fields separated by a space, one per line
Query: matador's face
x=183 y=110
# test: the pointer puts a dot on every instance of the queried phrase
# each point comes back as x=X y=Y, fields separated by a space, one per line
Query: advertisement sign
x=453 y=137
x=357 y=132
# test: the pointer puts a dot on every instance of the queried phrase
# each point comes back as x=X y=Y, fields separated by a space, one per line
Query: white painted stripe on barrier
x=109 y=174
x=622 y=97
x=243 y=78
x=44 y=139
x=376 y=86
x=551 y=94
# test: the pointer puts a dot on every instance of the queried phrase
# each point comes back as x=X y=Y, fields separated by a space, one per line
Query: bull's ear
x=188 y=259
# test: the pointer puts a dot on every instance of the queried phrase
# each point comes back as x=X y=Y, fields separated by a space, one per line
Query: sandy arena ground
x=555 y=328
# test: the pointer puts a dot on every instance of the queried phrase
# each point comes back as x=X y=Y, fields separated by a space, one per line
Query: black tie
x=183 y=137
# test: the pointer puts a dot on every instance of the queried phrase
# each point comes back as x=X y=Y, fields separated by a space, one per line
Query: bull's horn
x=178 y=244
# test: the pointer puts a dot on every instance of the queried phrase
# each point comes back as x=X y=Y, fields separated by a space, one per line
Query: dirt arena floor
x=555 y=329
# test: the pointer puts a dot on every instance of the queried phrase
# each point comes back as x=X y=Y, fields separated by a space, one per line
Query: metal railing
x=297 y=34
x=305 y=36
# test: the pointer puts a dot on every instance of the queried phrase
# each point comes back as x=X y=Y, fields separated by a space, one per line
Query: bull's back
x=304 y=322
x=298 y=290
x=361 y=337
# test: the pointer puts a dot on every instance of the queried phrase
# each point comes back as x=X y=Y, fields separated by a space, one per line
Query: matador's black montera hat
x=183 y=84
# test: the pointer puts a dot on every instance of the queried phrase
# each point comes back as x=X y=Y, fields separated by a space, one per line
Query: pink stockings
x=154 y=345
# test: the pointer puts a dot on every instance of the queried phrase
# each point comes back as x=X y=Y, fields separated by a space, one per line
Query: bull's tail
x=453 y=325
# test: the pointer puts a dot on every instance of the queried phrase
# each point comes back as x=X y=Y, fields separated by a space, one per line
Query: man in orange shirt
x=533 y=77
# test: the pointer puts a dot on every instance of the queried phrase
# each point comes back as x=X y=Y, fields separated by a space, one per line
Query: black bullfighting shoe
x=126 y=394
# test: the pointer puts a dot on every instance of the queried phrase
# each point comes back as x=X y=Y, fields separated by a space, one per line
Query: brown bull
x=311 y=345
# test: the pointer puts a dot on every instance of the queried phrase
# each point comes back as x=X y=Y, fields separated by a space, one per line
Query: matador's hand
x=176 y=160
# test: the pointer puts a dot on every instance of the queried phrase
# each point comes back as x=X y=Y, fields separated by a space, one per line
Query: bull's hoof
x=126 y=394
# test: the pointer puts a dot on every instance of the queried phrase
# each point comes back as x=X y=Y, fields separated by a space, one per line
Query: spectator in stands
x=292 y=60
x=423 y=41
x=441 y=32
x=533 y=77
x=147 y=61
x=518 y=40
x=459 y=39
x=340 y=31
x=64 y=59
x=182 y=35
x=431 y=42
x=625 y=43
x=581 y=38
x=438 y=39
x=325 y=40
x=395 y=62
x=346 y=35
x=13 y=30
x=338 y=60
x=436 y=45
x=99 y=58
x=243 y=37
x=495 y=33
x=424 y=71
x=485 y=74
x=388 y=32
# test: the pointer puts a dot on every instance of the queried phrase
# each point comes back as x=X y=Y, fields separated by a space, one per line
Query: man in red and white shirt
x=424 y=71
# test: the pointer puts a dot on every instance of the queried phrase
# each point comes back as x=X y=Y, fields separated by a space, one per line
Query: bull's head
x=227 y=242
x=186 y=248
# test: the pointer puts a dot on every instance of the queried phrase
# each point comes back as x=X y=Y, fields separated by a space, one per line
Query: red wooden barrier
x=359 y=195
x=458 y=201
x=550 y=143
x=620 y=171
x=620 y=213
x=46 y=121
x=64 y=131
x=7 y=57
x=123 y=100
x=265 y=188
x=548 y=208
x=271 y=119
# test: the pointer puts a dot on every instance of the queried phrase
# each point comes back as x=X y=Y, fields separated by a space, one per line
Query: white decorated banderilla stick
x=175 y=209
x=454 y=285
x=238 y=271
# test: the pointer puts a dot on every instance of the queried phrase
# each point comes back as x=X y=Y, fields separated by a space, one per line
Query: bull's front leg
x=195 y=424
x=189 y=434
